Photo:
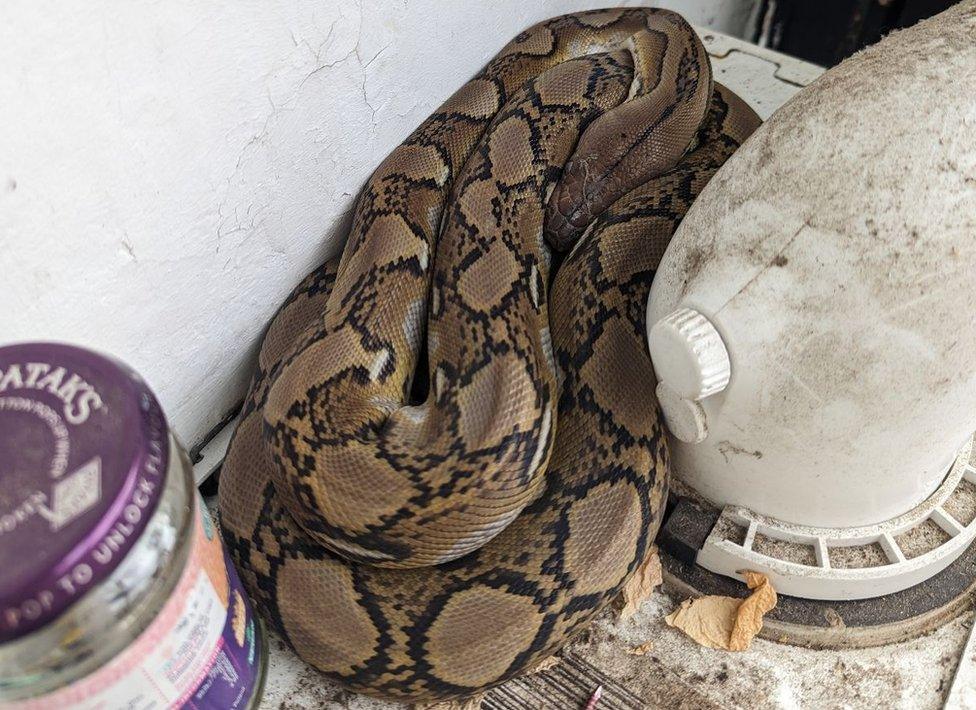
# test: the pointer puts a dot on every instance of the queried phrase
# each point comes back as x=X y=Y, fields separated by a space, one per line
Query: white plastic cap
x=685 y=419
x=689 y=355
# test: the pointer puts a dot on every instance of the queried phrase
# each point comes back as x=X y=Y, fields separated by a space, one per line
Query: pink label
x=201 y=650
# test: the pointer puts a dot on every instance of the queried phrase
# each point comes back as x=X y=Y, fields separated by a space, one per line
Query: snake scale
x=450 y=458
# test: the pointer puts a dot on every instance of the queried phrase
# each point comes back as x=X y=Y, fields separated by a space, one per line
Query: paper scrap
x=726 y=623
x=472 y=703
x=544 y=665
x=641 y=650
x=641 y=584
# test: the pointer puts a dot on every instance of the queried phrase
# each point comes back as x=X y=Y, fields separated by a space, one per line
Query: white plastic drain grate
x=850 y=563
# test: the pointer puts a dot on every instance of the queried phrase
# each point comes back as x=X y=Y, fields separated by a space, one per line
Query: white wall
x=168 y=170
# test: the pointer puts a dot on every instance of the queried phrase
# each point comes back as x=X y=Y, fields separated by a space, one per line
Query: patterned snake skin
x=430 y=491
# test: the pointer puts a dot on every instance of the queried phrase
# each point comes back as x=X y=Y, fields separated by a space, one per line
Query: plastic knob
x=685 y=419
x=689 y=355
x=691 y=363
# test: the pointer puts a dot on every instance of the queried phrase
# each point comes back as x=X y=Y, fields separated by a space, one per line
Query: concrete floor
x=676 y=672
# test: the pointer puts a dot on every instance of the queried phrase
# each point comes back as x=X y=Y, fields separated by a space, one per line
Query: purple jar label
x=83 y=459
x=235 y=673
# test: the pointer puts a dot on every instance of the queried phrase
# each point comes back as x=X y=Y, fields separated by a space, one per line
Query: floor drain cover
x=809 y=622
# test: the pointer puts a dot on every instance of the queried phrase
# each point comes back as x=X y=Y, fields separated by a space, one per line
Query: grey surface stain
x=728 y=449
x=127 y=245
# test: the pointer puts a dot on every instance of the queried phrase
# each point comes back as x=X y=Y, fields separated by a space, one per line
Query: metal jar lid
x=83 y=459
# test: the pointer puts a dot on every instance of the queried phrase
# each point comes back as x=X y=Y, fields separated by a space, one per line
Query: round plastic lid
x=83 y=459
x=689 y=355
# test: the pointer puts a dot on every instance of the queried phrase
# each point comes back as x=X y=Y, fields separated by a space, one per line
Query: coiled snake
x=426 y=539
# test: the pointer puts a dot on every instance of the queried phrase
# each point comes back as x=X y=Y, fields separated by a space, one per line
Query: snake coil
x=442 y=470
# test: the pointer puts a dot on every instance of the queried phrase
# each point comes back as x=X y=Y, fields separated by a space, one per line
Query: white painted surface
x=168 y=171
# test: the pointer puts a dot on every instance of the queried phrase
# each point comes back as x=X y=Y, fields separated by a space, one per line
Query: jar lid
x=83 y=457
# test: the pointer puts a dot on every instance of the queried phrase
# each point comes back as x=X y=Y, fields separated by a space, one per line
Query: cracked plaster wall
x=169 y=170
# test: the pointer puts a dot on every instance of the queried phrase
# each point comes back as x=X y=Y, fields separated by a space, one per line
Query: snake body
x=442 y=471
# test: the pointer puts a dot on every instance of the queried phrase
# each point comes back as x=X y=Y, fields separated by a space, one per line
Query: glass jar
x=116 y=590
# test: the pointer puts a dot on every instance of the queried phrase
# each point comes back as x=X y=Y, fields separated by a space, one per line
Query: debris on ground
x=472 y=703
x=726 y=623
x=544 y=665
x=641 y=650
x=639 y=587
